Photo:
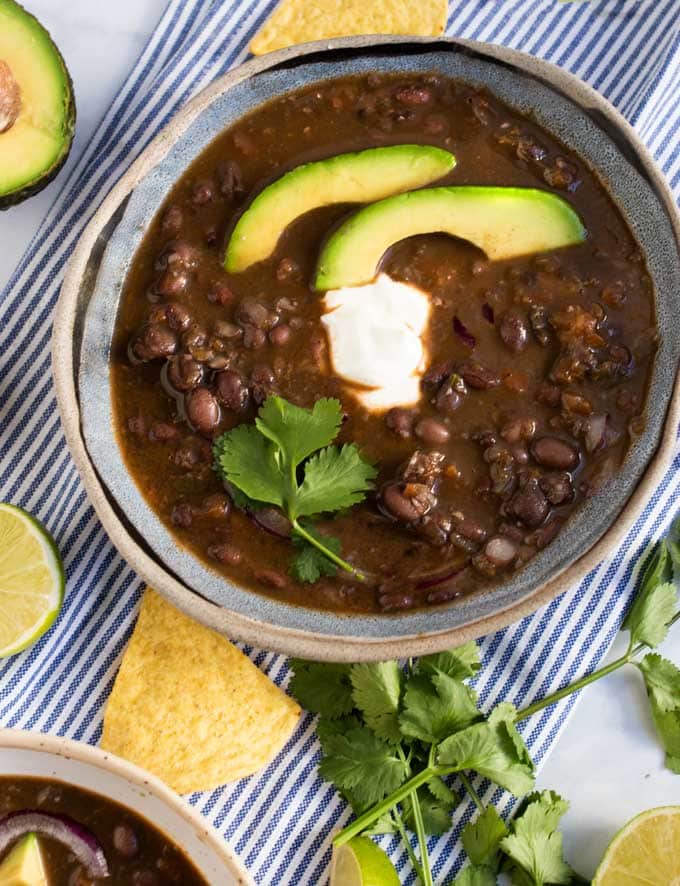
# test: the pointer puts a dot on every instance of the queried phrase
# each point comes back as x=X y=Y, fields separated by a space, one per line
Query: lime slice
x=362 y=863
x=646 y=852
x=31 y=580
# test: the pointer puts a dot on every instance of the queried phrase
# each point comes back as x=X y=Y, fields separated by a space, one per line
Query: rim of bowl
x=344 y=646
x=59 y=746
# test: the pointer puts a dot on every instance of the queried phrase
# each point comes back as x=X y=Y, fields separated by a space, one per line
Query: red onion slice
x=463 y=333
x=434 y=581
x=596 y=432
x=77 y=838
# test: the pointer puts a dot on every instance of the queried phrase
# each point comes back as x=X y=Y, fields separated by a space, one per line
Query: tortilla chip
x=299 y=21
x=188 y=706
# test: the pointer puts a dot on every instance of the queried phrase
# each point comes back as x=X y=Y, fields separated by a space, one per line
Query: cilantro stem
x=426 y=874
x=310 y=539
x=399 y=824
x=363 y=821
x=467 y=784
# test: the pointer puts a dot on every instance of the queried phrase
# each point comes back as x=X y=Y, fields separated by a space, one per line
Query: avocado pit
x=10 y=98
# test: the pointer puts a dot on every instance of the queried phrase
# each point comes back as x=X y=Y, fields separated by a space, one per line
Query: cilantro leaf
x=662 y=681
x=473 y=875
x=334 y=479
x=376 y=689
x=534 y=843
x=383 y=825
x=439 y=789
x=322 y=687
x=481 y=837
x=655 y=603
x=246 y=459
x=459 y=663
x=436 y=814
x=310 y=564
x=362 y=764
x=493 y=749
x=296 y=431
x=436 y=706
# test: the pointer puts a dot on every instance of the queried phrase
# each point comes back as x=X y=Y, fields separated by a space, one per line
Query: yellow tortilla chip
x=188 y=706
x=299 y=21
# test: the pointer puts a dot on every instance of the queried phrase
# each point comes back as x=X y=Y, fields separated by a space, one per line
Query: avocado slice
x=504 y=222
x=37 y=110
x=360 y=177
x=23 y=865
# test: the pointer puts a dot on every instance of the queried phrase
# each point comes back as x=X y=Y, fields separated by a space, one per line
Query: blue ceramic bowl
x=560 y=103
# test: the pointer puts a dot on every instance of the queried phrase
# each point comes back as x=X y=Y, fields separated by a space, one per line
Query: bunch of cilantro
x=401 y=742
x=286 y=459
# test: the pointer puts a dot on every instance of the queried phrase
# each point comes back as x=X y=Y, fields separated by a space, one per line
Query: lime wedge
x=23 y=866
x=31 y=580
x=361 y=862
x=646 y=852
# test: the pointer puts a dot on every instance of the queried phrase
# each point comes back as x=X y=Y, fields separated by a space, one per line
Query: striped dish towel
x=279 y=820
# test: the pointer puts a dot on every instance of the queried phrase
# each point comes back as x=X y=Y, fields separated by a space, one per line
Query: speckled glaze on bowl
x=86 y=314
x=46 y=756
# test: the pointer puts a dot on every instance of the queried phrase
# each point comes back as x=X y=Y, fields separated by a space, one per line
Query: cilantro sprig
x=286 y=459
x=394 y=737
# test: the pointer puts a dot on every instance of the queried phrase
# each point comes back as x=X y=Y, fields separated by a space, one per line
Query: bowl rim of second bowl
x=346 y=646
x=69 y=748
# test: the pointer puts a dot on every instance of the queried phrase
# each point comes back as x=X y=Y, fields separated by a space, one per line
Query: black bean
x=530 y=505
x=196 y=336
x=280 y=335
x=557 y=487
x=232 y=390
x=262 y=383
x=413 y=95
x=182 y=515
x=202 y=193
x=477 y=377
x=254 y=313
x=172 y=220
x=400 y=421
x=153 y=341
x=398 y=505
x=163 y=432
x=179 y=254
x=227 y=329
x=178 y=316
x=184 y=373
x=432 y=431
x=225 y=553
x=271 y=578
x=220 y=294
x=192 y=452
x=287 y=269
x=203 y=410
x=518 y=429
x=391 y=602
x=253 y=337
x=468 y=528
x=216 y=506
x=513 y=331
x=125 y=840
x=171 y=283
x=551 y=452
x=230 y=179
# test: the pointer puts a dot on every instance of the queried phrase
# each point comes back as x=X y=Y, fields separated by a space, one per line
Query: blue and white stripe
x=279 y=820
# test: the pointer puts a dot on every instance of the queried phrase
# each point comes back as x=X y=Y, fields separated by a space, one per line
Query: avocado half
x=37 y=109
x=503 y=222
x=359 y=177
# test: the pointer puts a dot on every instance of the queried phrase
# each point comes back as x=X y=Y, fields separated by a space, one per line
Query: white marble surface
x=607 y=762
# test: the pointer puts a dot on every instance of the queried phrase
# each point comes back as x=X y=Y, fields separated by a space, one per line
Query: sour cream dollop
x=376 y=335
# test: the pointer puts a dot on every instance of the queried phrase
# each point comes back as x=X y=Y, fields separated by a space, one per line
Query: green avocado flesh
x=361 y=177
x=503 y=222
x=23 y=865
x=36 y=143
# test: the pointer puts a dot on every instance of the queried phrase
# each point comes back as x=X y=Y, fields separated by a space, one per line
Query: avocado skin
x=42 y=180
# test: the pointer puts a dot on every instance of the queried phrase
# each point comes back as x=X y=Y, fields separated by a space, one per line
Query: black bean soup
x=537 y=372
x=134 y=851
